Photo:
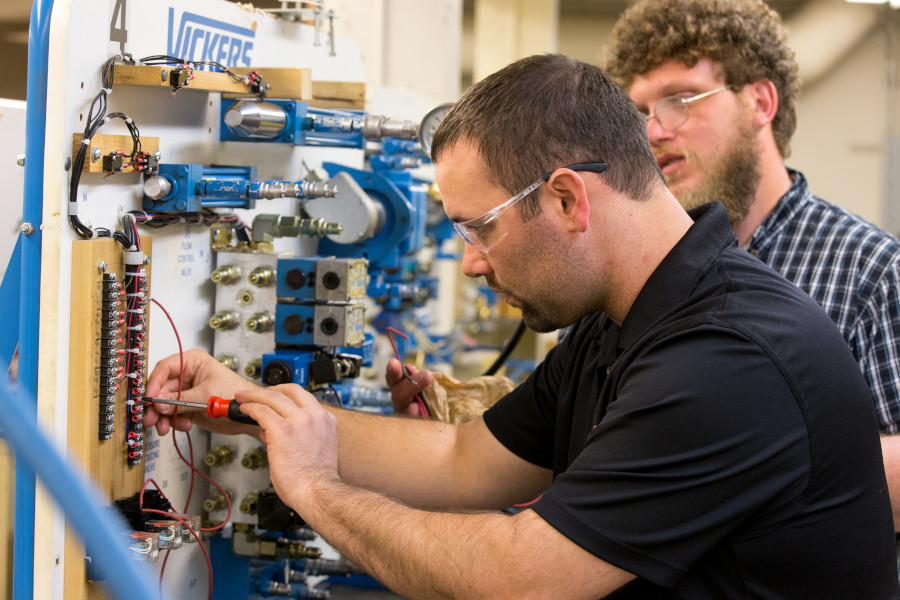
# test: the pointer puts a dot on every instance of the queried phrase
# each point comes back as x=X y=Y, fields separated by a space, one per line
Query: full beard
x=733 y=180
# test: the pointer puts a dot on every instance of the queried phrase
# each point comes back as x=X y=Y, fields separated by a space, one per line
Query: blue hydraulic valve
x=294 y=122
x=187 y=188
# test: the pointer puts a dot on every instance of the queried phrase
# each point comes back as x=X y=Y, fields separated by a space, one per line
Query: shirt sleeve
x=876 y=337
x=703 y=431
x=528 y=421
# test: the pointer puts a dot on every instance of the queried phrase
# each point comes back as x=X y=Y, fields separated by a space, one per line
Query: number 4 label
x=118 y=25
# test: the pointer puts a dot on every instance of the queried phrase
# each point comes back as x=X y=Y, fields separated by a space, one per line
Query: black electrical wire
x=96 y=118
x=507 y=349
x=253 y=80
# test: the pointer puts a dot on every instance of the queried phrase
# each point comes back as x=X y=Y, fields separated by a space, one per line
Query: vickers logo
x=200 y=38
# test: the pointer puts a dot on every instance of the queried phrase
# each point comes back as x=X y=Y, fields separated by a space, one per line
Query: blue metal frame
x=30 y=291
x=100 y=529
x=9 y=300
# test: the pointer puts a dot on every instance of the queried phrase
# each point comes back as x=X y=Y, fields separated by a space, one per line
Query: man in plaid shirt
x=718 y=86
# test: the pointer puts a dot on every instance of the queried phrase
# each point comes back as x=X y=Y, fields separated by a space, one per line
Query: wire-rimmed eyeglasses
x=486 y=230
x=673 y=111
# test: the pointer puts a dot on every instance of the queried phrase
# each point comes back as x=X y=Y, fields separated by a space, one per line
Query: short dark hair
x=744 y=38
x=547 y=111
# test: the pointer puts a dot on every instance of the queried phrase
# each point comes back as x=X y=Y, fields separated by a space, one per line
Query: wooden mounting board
x=110 y=143
x=105 y=461
x=293 y=83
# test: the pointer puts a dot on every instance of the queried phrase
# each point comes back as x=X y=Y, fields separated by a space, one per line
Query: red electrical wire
x=144 y=487
x=390 y=330
x=190 y=463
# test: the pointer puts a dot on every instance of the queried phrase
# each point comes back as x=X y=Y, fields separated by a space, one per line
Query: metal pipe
x=30 y=289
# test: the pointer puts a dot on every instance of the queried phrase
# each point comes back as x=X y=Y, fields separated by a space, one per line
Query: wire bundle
x=97 y=117
x=252 y=80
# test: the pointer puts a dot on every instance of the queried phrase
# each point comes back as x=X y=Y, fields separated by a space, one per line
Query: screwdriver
x=216 y=408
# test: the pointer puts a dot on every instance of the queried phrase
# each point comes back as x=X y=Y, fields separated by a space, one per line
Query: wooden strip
x=105 y=461
x=293 y=83
x=111 y=143
x=338 y=94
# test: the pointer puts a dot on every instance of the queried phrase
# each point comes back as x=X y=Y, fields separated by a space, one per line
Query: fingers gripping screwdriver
x=216 y=408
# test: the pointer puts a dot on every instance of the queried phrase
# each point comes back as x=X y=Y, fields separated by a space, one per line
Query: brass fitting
x=225 y=274
x=262 y=276
x=215 y=501
x=249 y=504
x=227 y=360
x=260 y=322
x=224 y=320
x=255 y=458
x=253 y=370
x=218 y=456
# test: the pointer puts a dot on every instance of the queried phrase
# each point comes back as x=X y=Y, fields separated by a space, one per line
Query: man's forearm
x=425 y=554
x=432 y=464
x=890 y=450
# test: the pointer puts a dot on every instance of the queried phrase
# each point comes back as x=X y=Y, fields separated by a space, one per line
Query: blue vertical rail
x=30 y=290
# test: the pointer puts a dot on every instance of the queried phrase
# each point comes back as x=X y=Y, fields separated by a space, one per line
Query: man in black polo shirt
x=704 y=427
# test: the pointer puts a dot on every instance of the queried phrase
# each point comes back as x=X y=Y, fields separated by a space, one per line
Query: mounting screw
x=95 y=154
x=146 y=259
x=27 y=228
x=67 y=163
x=102 y=266
x=20 y=160
x=164 y=74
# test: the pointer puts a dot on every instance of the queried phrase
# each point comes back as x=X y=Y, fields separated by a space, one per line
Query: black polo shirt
x=721 y=442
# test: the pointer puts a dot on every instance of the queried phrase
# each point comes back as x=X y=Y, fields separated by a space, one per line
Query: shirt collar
x=788 y=205
x=677 y=275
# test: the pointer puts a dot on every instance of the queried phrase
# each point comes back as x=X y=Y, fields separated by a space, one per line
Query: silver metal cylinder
x=255 y=119
x=296 y=189
x=157 y=187
x=377 y=127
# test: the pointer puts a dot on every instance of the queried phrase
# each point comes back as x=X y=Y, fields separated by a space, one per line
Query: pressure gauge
x=430 y=124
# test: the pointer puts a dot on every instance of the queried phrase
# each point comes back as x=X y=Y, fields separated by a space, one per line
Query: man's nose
x=474 y=262
x=656 y=133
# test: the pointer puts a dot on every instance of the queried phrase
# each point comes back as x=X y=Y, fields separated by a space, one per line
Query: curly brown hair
x=746 y=40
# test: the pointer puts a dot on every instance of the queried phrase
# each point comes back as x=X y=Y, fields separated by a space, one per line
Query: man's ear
x=764 y=96
x=569 y=197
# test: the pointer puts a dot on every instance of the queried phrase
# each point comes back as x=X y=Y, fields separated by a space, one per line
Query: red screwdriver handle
x=218 y=408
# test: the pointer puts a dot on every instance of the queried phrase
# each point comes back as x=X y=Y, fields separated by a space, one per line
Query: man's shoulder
x=814 y=226
x=840 y=221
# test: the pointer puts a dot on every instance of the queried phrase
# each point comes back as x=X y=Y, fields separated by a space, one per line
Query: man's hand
x=204 y=376
x=301 y=439
x=403 y=391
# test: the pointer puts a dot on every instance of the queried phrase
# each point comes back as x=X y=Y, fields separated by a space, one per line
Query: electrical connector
x=143 y=544
x=169 y=530
x=194 y=522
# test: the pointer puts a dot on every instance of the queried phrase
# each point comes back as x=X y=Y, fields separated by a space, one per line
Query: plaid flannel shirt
x=852 y=269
